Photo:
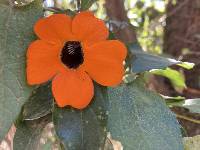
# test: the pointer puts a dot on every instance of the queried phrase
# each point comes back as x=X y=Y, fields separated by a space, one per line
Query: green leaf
x=192 y=104
x=16 y=32
x=140 y=119
x=39 y=104
x=111 y=36
x=29 y=133
x=135 y=47
x=143 y=61
x=176 y=78
x=86 y=4
x=171 y=101
x=83 y=129
x=187 y=65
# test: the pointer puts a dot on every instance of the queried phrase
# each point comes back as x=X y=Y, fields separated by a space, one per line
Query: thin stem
x=78 y=5
x=53 y=9
x=188 y=119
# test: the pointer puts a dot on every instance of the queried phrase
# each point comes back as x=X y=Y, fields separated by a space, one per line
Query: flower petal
x=73 y=88
x=53 y=28
x=42 y=61
x=104 y=62
x=113 y=49
x=106 y=73
x=88 y=28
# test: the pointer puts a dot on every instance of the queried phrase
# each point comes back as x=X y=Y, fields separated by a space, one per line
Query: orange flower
x=71 y=52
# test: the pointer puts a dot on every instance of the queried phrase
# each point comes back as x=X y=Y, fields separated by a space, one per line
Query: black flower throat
x=72 y=54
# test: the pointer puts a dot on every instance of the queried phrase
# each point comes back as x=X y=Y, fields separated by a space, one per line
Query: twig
x=185 y=40
x=53 y=9
x=188 y=119
x=58 y=10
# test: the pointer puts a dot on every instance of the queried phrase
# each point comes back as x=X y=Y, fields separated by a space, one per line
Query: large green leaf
x=39 y=104
x=16 y=32
x=29 y=134
x=140 y=119
x=83 y=129
x=143 y=61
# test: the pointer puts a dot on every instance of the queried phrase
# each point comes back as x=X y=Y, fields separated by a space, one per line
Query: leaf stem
x=53 y=9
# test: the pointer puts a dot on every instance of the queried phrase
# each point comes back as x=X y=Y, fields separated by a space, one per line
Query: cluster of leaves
x=136 y=117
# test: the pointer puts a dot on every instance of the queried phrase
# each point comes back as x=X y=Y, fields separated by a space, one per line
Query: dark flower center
x=72 y=54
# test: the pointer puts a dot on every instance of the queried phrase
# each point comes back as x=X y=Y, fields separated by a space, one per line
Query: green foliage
x=16 y=32
x=39 y=104
x=139 y=119
x=192 y=104
x=83 y=129
x=86 y=4
x=187 y=65
x=142 y=61
x=177 y=79
x=28 y=134
x=173 y=99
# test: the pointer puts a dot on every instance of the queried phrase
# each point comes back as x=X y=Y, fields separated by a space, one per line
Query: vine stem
x=78 y=5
